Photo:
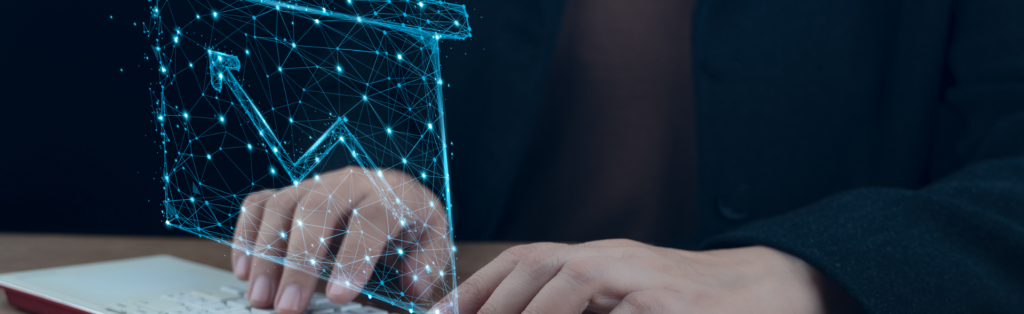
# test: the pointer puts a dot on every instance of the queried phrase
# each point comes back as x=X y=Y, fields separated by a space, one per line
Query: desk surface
x=33 y=251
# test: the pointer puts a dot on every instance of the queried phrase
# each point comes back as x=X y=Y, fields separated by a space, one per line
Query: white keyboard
x=227 y=300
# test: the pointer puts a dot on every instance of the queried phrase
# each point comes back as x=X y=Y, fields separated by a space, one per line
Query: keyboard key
x=323 y=311
x=262 y=311
x=214 y=296
x=348 y=307
x=366 y=310
x=233 y=290
x=239 y=303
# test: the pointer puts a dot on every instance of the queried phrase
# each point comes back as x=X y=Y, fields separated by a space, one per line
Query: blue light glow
x=352 y=51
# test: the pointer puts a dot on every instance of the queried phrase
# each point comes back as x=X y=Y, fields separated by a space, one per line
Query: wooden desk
x=20 y=251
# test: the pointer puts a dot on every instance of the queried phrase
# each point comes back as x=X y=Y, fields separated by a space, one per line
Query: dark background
x=79 y=139
x=78 y=152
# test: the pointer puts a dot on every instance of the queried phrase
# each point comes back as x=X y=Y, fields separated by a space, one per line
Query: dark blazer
x=880 y=141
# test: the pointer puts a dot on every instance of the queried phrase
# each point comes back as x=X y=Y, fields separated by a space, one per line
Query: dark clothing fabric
x=613 y=155
x=880 y=141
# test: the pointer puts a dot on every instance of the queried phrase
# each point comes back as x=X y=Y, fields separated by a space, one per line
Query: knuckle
x=351 y=168
x=620 y=242
x=580 y=271
x=534 y=261
x=471 y=290
x=517 y=251
x=523 y=250
x=643 y=302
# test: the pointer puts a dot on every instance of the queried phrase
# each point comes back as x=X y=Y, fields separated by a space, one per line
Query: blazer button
x=730 y=205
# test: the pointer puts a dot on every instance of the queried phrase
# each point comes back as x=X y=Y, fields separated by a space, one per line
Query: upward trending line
x=221 y=65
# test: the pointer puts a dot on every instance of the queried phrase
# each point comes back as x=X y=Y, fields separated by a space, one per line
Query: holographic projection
x=264 y=103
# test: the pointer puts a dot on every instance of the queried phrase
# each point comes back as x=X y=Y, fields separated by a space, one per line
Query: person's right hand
x=343 y=221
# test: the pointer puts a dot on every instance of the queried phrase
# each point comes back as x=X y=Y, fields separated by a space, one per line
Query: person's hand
x=623 y=276
x=342 y=221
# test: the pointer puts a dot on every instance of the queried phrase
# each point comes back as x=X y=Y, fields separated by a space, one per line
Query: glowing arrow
x=221 y=65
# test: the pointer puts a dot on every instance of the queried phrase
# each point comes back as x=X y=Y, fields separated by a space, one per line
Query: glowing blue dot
x=279 y=69
x=339 y=68
x=317 y=21
x=364 y=97
x=214 y=13
x=221 y=119
x=249 y=146
x=399 y=57
x=430 y=126
x=247 y=51
x=389 y=130
x=421 y=4
x=400 y=252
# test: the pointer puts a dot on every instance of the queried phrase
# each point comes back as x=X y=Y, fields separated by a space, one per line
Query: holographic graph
x=311 y=100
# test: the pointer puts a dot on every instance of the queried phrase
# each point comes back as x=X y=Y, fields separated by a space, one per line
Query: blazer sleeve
x=955 y=245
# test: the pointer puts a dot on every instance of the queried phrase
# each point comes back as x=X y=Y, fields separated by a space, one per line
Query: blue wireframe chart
x=260 y=95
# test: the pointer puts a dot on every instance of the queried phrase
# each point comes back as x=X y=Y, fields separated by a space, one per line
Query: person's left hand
x=623 y=276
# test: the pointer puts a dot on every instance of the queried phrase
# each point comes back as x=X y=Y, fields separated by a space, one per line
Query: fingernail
x=242 y=265
x=260 y=290
x=289 y=299
x=333 y=289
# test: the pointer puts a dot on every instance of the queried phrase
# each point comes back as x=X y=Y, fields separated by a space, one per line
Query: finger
x=532 y=273
x=651 y=302
x=271 y=244
x=427 y=244
x=314 y=223
x=371 y=227
x=591 y=282
x=472 y=293
x=246 y=231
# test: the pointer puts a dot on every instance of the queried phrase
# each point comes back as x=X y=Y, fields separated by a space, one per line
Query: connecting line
x=221 y=65
x=461 y=29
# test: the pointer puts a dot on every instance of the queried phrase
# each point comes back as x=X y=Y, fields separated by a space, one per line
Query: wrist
x=787 y=278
